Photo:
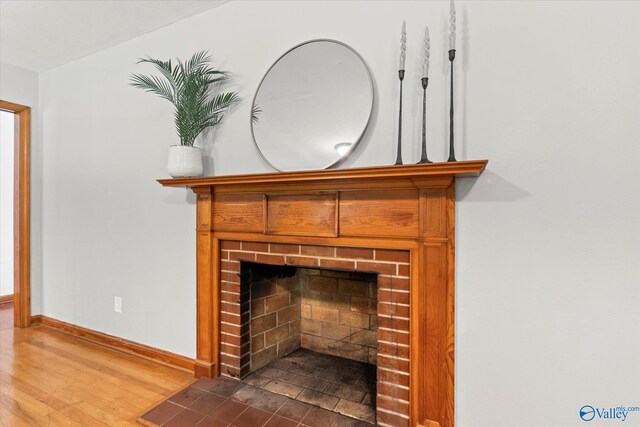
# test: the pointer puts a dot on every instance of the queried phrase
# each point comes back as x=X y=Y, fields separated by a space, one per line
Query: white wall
x=20 y=86
x=548 y=237
x=6 y=202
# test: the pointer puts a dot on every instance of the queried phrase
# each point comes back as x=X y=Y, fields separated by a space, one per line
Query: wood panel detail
x=379 y=213
x=434 y=327
x=130 y=347
x=238 y=212
x=434 y=209
x=204 y=211
x=301 y=214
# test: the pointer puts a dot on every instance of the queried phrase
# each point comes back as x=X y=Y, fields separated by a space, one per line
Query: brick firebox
x=393 y=308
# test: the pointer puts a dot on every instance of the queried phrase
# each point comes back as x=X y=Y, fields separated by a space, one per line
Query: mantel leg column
x=432 y=306
x=207 y=289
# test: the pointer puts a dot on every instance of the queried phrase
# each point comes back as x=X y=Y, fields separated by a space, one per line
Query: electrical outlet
x=117 y=305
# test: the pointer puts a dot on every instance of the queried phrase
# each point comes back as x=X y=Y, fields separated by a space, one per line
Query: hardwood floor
x=48 y=378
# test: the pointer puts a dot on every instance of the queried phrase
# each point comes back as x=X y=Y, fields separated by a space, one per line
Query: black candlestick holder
x=399 y=155
x=424 y=158
x=452 y=155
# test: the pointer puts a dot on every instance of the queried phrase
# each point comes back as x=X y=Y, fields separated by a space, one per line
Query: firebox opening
x=313 y=335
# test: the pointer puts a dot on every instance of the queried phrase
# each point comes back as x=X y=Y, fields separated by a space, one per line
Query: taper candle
x=427 y=52
x=452 y=26
x=403 y=45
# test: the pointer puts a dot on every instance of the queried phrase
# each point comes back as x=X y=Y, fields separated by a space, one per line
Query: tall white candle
x=427 y=52
x=452 y=26
x=403 y=45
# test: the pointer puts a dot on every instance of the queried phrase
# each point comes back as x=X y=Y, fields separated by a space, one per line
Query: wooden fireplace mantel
x=406 y=207
x=373 y=173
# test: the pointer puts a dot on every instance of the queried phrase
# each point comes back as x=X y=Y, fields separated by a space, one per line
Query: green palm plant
x=190 y=87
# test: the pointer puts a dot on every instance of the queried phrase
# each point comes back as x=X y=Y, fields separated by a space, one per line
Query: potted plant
x=191 y=88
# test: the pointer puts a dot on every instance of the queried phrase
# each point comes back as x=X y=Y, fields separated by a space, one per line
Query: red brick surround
x=392 y=267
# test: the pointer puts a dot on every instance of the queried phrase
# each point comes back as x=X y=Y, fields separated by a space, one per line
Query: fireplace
x=391 y=227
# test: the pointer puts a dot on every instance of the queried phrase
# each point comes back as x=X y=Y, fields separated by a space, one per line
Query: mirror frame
x=346 y=155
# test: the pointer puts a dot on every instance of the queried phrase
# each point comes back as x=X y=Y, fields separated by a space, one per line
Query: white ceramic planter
x=184 y=161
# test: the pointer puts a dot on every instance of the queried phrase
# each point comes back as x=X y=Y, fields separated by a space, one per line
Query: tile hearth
x=304 y=388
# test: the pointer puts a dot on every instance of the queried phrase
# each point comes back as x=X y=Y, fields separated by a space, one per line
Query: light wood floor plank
x=85 y=378
x=48 y=378
x=113 y=367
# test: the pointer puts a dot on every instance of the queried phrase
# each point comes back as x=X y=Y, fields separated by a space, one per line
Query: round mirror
x=312 y=106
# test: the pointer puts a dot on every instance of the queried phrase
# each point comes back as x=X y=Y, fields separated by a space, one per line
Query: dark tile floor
x=324 y=387
x=329 y=382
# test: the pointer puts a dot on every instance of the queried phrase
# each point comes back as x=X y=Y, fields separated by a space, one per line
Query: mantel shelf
x=457 y=169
